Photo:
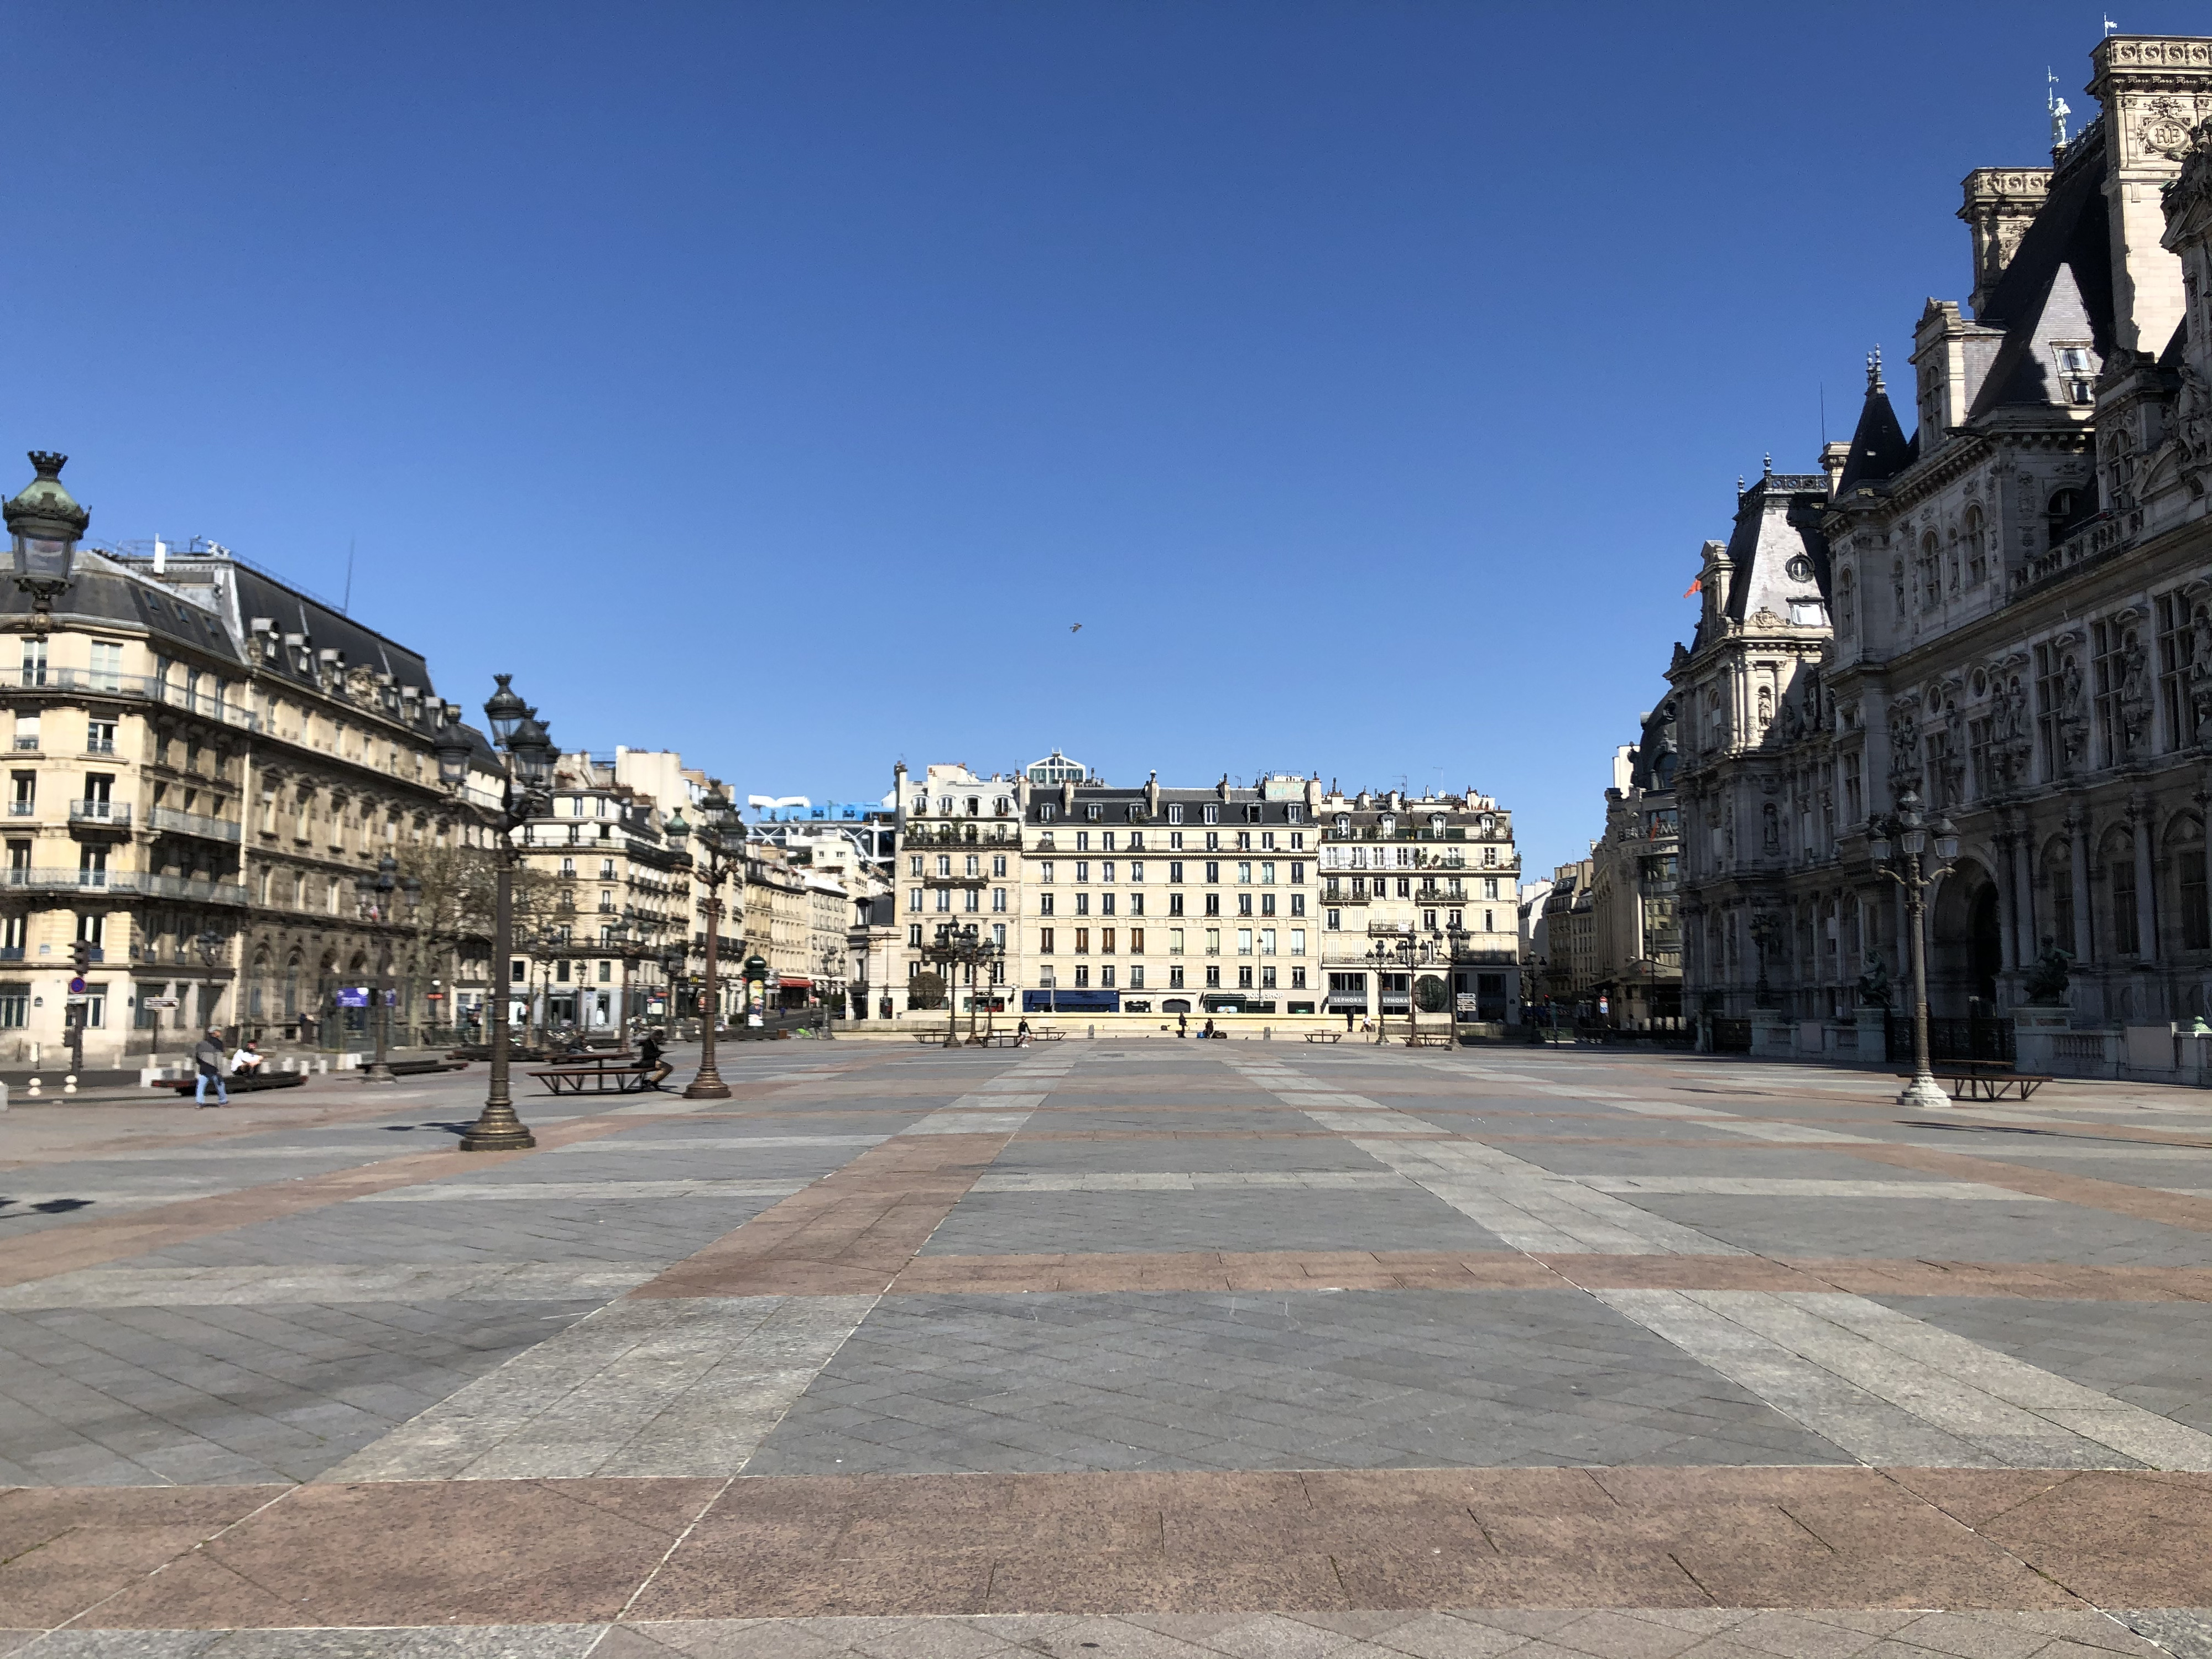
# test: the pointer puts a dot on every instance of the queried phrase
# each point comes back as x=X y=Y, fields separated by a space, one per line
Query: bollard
x=33 y=1087
x=68 y=1083
x=1091 y=1030
x=1267 y=1034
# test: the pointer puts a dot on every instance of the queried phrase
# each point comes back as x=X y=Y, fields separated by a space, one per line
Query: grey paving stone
x=1356 y=1380
x=1013 y=1224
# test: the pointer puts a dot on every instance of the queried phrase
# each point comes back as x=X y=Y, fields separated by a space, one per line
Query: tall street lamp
x=972 y=951
x=720 y=837
x=376 y=892
x=45 y=524
x=1909 y=831
x=526 y=756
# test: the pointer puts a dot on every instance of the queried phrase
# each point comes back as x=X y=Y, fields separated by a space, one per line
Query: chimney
x=2000 y=203
x=2151 y=87
x=1833 y=457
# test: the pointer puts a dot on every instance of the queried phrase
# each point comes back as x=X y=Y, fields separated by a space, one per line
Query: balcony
x=101 y=814
x=23 y=809
x=191 y=824
x=126 y=882
x=141 y=688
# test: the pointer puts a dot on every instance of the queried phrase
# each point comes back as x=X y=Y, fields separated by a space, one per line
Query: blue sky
x=782 y=383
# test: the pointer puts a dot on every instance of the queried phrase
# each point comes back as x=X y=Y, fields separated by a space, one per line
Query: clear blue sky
x=782 y=382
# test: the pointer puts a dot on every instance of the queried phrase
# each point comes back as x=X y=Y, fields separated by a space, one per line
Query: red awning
x=791 y=984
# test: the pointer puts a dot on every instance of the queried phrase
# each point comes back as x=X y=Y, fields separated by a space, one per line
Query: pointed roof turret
x=1879 y=446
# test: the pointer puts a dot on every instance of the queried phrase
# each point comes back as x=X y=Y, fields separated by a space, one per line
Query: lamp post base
x=708 y=1086
x=1923 y=1094
x=498 y=1131
x=377 y=1072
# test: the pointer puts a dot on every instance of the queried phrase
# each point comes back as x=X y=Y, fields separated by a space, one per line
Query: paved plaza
x=1141 y=1350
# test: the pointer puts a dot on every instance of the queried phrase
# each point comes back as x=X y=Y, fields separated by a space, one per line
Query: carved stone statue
x=1771 y=837
x=1874 y=983
x=2046 y=976
x=2193 y=419
x=2069 y=690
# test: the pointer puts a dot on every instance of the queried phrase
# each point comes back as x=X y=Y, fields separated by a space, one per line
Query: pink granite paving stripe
x=1394 y=1270
x=2117 y=1198
x=851 y=1233
x=548 y=1552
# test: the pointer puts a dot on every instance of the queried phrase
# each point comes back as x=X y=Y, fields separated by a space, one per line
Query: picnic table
x=1985 y=1080
x=1429 y=1039
x=1046 y=1034
x=1324 y=1036
x=619 y=1074
x=996 y=1039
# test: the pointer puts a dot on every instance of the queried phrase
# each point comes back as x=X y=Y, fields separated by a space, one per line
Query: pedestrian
x=650 y=1062
x=1022 y=1035
x=1347 y=1022
x=207 y=1058
x=1207 y=1032
x=1183 y=1025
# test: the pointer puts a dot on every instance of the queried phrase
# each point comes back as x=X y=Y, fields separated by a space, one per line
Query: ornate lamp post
x=959 y=947
x=45 y=524
x=720 y=837
x=376 y=892
x=527 y=756
x=1910 y=831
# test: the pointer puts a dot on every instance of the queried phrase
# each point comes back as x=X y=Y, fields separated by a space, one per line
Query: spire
x=1878 y=449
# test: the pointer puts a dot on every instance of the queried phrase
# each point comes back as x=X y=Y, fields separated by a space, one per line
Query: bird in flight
x=1077 y=629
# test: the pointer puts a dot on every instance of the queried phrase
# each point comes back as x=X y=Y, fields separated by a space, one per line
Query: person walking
x=650 y=1062
x=207 y=1058
x=1022 y=1035
x=1183 y=1025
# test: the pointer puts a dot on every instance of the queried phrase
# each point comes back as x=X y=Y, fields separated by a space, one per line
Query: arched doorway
x=1964 y=947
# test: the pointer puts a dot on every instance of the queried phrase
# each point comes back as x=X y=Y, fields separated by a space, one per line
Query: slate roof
x=2058 y=287
x=1879 y=446
x=1775 y=521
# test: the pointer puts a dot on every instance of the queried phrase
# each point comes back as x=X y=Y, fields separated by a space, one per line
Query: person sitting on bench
x=650 y=1062
x=248 y=1061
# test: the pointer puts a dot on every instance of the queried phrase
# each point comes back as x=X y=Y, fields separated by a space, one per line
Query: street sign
x=76 y=986
x=353 y=996
x=157 y=1002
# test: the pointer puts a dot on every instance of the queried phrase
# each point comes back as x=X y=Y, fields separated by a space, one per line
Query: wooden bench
x=931 y=1039
x=1430 y=1040
x=629 y=1079
x=996 y=1039
x=244 y=1084
x=1046 y=1034
x=1985 y=1080
x=1324 y=1036
x=419 y=1067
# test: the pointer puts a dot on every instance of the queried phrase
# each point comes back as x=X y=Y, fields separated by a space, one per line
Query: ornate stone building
x=2020 y=633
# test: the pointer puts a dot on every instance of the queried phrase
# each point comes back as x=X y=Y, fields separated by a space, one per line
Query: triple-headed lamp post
x=720 y=835
x=1899 y=841
x=525 y=754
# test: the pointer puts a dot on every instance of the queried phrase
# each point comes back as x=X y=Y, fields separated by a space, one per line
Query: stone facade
x=1267 y=899
x=2020 y=633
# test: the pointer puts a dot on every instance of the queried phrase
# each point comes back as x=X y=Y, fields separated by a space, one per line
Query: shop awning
x=791 y=984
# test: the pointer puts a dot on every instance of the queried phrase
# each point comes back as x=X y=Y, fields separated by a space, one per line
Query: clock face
x=1800 y=569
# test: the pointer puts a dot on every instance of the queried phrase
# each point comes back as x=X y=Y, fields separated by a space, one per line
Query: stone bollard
x=68 y=1083
x=31 y=1087
x=1091 y=1030
x=1267 y=1034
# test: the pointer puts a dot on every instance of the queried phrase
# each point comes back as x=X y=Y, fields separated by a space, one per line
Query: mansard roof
x=1879 y=446
x=2058 y=287
x=1775 y=521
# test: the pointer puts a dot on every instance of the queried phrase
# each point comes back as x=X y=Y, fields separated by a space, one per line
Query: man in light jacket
x=207 y=1058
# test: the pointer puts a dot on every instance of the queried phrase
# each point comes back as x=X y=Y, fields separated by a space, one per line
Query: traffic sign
x=77 y=985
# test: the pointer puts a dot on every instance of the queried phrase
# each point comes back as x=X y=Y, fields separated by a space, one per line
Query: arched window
x=1977 y=552
x=1931 y=571
x=2119 y=853
x=1846 y=610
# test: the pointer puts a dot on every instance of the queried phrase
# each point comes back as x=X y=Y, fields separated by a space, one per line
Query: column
x=2008 y=847
x=2085 y=930
x=2030 y=941
x=2146 y=895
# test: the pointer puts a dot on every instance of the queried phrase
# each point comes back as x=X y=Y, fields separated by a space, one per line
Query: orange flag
x=1697 y=585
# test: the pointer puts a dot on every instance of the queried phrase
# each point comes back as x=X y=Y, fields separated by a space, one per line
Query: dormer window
x=1344 y=823
x=1092 y=812
x=2077 y=374
x=1175 y=813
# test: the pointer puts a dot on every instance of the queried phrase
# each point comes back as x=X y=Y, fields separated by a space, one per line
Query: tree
x=454 y=916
